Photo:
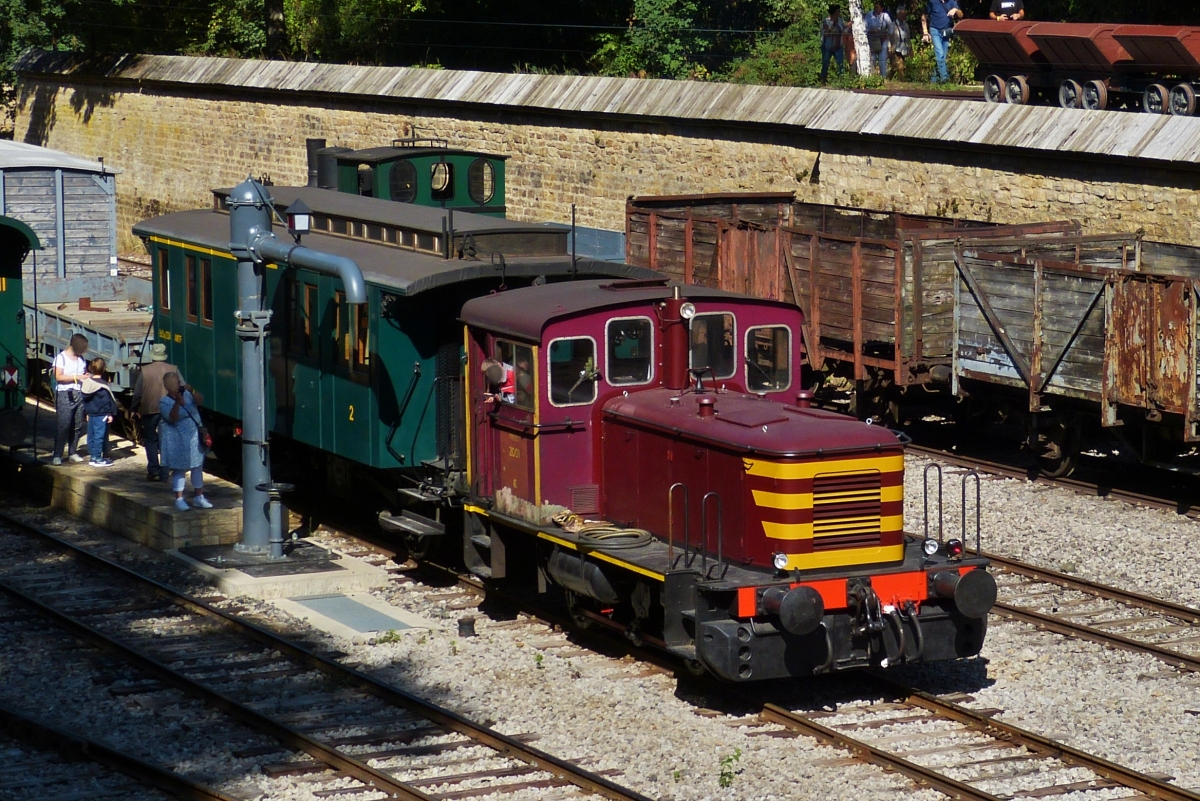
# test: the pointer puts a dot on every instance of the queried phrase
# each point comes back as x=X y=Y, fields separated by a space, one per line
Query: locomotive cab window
x=712 y=350
x=481 y=181
x=514 y=381
x=403 y=182
x=768 y=358
x=629 y=351
x=573 y=371
x=441 y=181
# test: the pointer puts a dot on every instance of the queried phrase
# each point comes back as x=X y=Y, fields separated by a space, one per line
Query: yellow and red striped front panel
x=832 y=512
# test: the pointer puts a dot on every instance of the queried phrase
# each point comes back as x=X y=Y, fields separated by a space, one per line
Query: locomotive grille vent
x=846 y=511
x=585 y=499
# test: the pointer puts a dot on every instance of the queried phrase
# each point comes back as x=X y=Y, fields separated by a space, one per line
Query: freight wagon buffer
x=732 y=523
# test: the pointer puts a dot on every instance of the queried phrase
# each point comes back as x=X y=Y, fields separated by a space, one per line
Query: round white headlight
x=930 y=547
x=780 y=560
x=687 y=311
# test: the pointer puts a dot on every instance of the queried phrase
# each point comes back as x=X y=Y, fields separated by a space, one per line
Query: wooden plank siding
x=877 y=287
x=89 y=223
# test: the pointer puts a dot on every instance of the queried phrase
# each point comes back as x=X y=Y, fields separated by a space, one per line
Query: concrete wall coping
x=1158 y=140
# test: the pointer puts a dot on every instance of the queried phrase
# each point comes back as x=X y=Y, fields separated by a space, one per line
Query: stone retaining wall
x=175 y=143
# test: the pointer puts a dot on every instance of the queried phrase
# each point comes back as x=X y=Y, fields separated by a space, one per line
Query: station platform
x=119 y=498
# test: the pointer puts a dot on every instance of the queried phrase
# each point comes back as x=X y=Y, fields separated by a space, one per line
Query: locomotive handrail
x=671 y=523
x=511 y=423
x=925 y=492
x=978 y=512
x=704 y=534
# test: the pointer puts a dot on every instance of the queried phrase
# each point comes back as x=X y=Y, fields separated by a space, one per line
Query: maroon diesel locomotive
x=650 y=454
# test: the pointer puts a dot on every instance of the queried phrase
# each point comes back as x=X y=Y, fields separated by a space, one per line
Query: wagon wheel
x=1183 y=100
x=1095 y=96
x=993 y=89
x=1060 y=446
x=1155 y=99
x=1070 y=94
x=1016 y=91
x=575 y=604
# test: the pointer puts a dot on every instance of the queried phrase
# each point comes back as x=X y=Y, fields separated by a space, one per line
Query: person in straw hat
x=148 y=391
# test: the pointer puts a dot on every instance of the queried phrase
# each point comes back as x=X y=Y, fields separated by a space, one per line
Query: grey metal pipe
x=270 y=248
x=253 y=244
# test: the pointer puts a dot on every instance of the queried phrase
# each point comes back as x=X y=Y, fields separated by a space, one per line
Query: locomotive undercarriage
x=694 y=619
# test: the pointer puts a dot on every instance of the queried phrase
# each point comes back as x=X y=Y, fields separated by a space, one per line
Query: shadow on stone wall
x=36 y=99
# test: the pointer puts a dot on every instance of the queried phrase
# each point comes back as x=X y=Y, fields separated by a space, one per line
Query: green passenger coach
x=373 y=386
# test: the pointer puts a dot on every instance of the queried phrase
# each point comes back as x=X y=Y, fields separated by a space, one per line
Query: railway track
x=44 y=761
x=966 y=753
x=1085 y=609
x=1075 y=485
x=325 y=721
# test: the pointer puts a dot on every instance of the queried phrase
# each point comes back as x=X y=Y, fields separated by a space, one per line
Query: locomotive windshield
x=573 y=371
x=712 y=344
x=630 y=351
x=768 y=358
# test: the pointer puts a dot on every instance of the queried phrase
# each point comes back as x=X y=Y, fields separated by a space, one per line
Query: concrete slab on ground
x=118 y=497
x=299 y=576
x=357 y=617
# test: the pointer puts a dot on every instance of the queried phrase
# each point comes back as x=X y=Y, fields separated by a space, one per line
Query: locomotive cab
x=652 y=456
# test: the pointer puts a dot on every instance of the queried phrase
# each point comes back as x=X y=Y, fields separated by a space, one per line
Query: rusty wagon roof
x=525 y=312
x=754 y=424
x=405 y=272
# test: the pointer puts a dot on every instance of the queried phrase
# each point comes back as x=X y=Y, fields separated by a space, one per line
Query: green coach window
x=403 y=182
x=481 y=181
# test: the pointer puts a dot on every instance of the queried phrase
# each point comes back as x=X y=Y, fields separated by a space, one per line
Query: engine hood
x=750 y=423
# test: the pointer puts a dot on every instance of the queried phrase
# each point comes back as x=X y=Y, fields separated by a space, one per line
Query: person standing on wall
x=833 y=41
x=879 y=37
x=901 y=44
x=70 y=368
x=147 y=392
x=937 y=23
x=1003 y=10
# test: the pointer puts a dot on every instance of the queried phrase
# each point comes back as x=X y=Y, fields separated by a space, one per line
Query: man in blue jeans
x=833 y=38
x=937 y=23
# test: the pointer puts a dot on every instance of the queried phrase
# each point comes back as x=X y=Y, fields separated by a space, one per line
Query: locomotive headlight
x=780 y=560
x=687 y=311
x=930 y=547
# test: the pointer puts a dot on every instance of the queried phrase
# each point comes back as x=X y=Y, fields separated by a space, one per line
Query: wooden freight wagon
x=876 y=287
x=1111 y=337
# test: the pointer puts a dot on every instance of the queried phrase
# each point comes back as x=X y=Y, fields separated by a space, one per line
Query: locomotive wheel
x=1095 y=96
x=421 y=548
x=1183 y=100
x=695 y=667
x=1070 y=94
x=993 y=89
x=575 y=609
x=1060 y=451
x=1155 y=99
x=1016 y=91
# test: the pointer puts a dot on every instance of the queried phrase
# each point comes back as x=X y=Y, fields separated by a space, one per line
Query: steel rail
x=1028 y=474
x=290 y=737
x=1127 y=597
x=877 y=756
x=1043 y=574
x=1004 y=732
x=1070 y=629
x=46 y=737
x=509 y=746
